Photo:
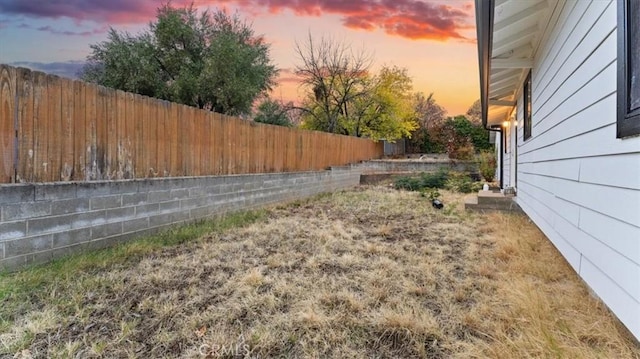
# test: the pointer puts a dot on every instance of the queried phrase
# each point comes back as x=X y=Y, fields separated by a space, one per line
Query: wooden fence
x=56 y=129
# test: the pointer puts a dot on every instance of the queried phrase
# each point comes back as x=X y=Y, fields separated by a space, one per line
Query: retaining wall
x=416 y=165
x=40 y=222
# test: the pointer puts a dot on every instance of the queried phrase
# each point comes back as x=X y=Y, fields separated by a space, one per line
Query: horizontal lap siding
x=576 y=180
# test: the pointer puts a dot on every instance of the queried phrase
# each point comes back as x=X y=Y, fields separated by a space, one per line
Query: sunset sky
x=433 y=39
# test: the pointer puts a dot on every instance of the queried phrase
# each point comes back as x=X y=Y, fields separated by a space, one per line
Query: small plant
x=462 y=182
x=430 y=193
x=487 y=163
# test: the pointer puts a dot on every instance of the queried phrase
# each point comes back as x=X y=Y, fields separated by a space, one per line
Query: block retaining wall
x=415 y=165
x=41 y=222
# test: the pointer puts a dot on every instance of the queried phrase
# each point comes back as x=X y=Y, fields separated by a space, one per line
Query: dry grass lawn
x=367 y=273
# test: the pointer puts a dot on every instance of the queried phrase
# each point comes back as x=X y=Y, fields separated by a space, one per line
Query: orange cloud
x=413 y=19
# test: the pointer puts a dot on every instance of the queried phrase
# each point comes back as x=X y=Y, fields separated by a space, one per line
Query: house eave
x=484 y=31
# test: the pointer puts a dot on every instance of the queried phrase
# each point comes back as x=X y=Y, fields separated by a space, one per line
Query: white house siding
x=576 y=180
x=506 y=159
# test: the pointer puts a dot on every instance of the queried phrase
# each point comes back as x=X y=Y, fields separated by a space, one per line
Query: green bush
x=430 y=193
x=487 y=164
x=425 y=180
x=462 y=182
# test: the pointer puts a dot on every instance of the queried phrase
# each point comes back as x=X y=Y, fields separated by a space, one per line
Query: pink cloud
x=411 y=19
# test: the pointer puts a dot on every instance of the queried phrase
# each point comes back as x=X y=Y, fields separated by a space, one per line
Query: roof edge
x=484 y=30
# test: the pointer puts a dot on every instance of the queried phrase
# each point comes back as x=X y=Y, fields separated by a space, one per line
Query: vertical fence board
x=24 y=86
x=91 y=141
x=187 y=139
x=79 y=131
x=119 y=135
x=211 y=153
x=196 y=135
x=40 y=127
x=129 y=144
x=101 y=139
x=67 y=154
x=160 y=137
x=173 y=129
x=138 y=125
x=7 y=124
x=54 y=124
x=219 y=143
x=111 y=138
x=151 y=137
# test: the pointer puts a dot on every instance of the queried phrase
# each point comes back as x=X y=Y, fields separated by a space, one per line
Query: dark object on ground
x=437 y=204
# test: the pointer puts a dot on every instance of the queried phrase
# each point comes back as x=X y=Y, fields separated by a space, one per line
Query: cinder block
x=199 y=213
x=101 y=243
x=120 y=214
x=13 y=263
x=159 y=196
x=106 y=230
x=25 y=210
x=88 y=219
x=160 y=219
x=123 y=187
x=196 y=192
x=72 y=237
x=92 y=189
x=27 y=245
x=181 y=193
x=170 y=206
x=54 y=191
x=134 y=199
x=195 y=202
x=106 y=202
x=39 y=257
x=215 y=189
x=135 y=225
x=75 y=205
x=17 y=193
x=180 y=217
x=147 y=209
x=226 y=188
x=68 y=250
x=49 y=224
x=12 y=230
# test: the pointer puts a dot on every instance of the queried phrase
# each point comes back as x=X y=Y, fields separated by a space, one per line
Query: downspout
x=484 y=31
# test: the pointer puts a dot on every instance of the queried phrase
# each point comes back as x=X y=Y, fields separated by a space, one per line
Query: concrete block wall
x=40 y=222
x=415 y=165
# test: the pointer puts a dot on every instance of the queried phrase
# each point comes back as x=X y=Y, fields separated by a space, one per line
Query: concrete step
x=493 y=197
x=484 y=203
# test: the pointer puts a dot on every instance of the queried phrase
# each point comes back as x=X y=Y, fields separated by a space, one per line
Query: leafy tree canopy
x=210 y=60
x=273 y=112
x=344 y=97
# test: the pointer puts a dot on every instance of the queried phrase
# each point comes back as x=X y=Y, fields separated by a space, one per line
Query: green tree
x=474 y=113
x=344 y=97
x=462 y=138
x=385 y=109
x=430 y=117
x=274 y=113
x=333 y=76
x=210 y=60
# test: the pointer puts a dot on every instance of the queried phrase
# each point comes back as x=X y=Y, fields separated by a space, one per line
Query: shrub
x=488 y=165
x=425 y=180
x=430 y=193
x=462 y=182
